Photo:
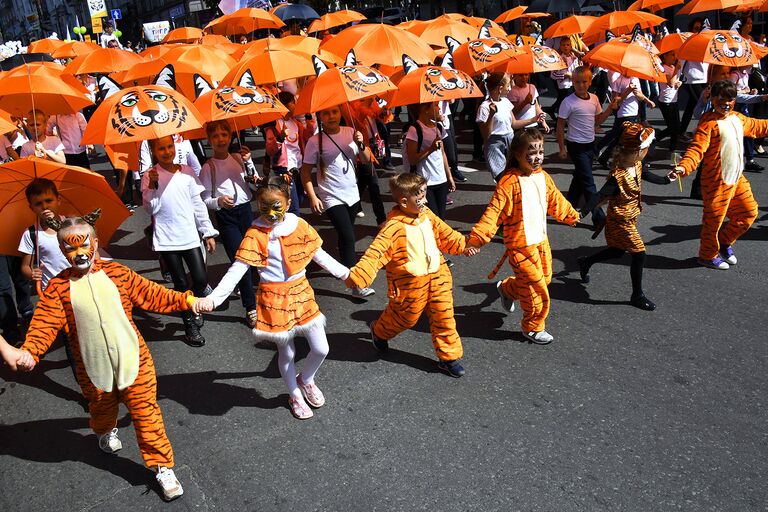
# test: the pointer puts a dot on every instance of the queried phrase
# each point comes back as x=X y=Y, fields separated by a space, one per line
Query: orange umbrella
x=723 y=47
x=303 y=44
x=695 y=6
x=619 y=22
x=80 y=190
x=751 y=5
x=673 y=41
x=139 y=113
x=511 y=14
x=103 y=60
x=653 y=5
x=185 y=75
x=533 y=59
x=628 y=56
x=570 y=25
x=210 y=61
x=74 y=49
x=382 y=44
x=45 y=46
x=411 y=24
x=435 y=31
x=183 y=35
x=271 y=67
x=156 y=52
x=335 y=19
x=27 y=87
x=220 y=42
x=335 y=86
x=6 y=123
x=474 y=57
x=428 y=84
x=243 y=21
x=475 y=21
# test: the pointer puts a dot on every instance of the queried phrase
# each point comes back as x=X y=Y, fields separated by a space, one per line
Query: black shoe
x=753 y=166
x=643 y=303
x=387 y=166
x=199 y=320
x=459 y=176
x=167 y=277
x=192 y=333
x=448 y=263
x=583 y=269
x=452 y=368
x=603 y=164
x=381 y=344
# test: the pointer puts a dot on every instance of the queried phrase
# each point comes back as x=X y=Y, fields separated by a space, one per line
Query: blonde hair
x=406 y=184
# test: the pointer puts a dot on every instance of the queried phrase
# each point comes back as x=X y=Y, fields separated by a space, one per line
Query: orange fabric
x=532 y=267
x=54 y=312
x=284 y=306
x=717 y=195
x=623 y=210
x=298 y=248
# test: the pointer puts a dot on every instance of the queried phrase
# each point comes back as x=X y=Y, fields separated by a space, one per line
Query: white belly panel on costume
x=731 y=148
x=533 y=190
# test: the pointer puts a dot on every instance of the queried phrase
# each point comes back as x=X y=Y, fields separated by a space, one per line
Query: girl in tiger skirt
x=280 y=245
x=524 y=195
x=624 y=206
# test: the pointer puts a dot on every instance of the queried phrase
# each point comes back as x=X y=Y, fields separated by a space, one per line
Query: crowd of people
x=323 y=164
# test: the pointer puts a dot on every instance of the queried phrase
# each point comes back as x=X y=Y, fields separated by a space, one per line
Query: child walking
x=623 y=192
x=280 y=245
x=409 y=246
x=523 y=197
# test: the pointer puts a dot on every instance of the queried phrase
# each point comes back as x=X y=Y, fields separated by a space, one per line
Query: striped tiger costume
x=112 y=361
x=418 y=279
x=623 y=210
x=718 y=145
x=520 y=204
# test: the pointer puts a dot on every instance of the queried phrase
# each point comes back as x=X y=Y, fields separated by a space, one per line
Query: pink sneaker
x=299 y=408
x=311 y=392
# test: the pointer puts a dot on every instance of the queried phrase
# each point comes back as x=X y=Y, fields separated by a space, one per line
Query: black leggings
x=635 y=267
x=367 y=179
x=174 y=263
x=343 y=219
x=437 y=195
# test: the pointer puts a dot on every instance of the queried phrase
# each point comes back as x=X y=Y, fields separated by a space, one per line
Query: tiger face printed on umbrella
x=729 y=45
x=722 y=47
x=140 y=108
x=360 y=79
x=483 y=53
x=427 y=84
x=544 y=56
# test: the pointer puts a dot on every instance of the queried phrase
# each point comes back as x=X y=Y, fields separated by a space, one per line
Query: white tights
x=286 y=355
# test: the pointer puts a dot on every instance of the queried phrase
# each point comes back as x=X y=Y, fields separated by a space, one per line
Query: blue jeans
x=232 y=227
x=583 y=183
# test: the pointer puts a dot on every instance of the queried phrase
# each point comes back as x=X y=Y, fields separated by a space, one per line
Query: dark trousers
x=583 y=183
x=367 y=179
x=671 y=115
x=343 y=219
x=610 y=139
x=693 y=91
x=232 y=227
x=600 y=86
x=561 y=95
x=79 y=159
x=174 y=262
x=384 y=134
x=295 y=207
x=437 y=195
x=8 y=315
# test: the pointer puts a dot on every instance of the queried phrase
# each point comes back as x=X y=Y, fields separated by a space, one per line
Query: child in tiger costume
x=524 y=195
x=718 y=145
x=93 y=301
x=623 y=191
x=410 y=247
x=280 y=245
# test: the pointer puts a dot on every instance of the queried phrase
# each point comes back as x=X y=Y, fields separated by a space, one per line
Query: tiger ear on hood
x=351 y=59
x=320 y=66
x=485 y=30
x=202 y=85
x=166 y=77
x=107 y=87
x=409 y=64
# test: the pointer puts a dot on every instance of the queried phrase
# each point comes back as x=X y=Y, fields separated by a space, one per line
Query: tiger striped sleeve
x=47 y=321
x=145 y=294
x=499 y=208
x=558 y=206
x=378 y=254
x=755 y=128
x=448 y=239
x=698 y=146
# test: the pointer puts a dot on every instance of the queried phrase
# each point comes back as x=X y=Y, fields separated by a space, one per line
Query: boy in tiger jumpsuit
x=718 y=145
x=524 y=195
x=409 y=246
x=93 y=301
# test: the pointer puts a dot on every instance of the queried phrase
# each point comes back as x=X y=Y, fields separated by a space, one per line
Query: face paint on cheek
x=78 y=250
x=273 y=212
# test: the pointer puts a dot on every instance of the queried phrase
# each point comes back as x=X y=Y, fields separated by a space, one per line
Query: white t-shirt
x=338 y=184
x=572 y=62
x=70 y=128
x=228 y=182
x=432 y=167
x=291 y=143
x=518 y=94
x=52 y=260
x=630 y=106
x=580 y=115
x=695 y=72
x=178 y=211
x=51 y=143
x=667 y=93
x=502 y=120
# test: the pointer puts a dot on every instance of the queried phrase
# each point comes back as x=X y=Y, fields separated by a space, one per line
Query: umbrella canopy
x=6 y=123
x=723 y=47
x=335 y=86
x=695 y=6
x=139 y=113
x=211 y=62
x=628 y=56
x=653 y=5
x=533 y=59
x=570 y=25
x=271 y=67
x=183 y=35
x=74 y=49
x=511 y=14
x=40 y=87
x=335 y=19
x=103 y=60
x=295 y=13
x=673 y=41
x=435 y=31
x=380 y=44
x=474 y=57
x=156 y=52
x=81 y=191
x=428 y=84
x=45 y=46
x=24 y=58
x=243 y=21
x=619 y=22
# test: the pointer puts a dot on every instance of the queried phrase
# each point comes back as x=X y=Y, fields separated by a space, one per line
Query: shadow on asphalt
x=38 y=379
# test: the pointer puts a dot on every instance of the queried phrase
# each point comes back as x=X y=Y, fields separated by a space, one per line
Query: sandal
x=311 y=393
x=250 y=318
x=299 y=408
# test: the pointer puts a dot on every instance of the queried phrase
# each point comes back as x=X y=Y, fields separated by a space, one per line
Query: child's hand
x=245 y=152
x=16 y=359
x=358 y=138
x=37 y=274
x=226 y=202
x=436 y=145
x=544 y=126
x=563 y=154
x=675 y=173
x=210 y=245
x=203 y=305
x=492 y=108
x=471 y=251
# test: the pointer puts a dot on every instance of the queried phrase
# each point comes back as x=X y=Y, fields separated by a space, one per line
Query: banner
x=155 y=31
x=97 y=8
x=96 y=27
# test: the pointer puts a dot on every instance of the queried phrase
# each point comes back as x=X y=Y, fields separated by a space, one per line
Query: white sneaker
x=507 y=304
x=168 y=483
x=109 y=442
x=362 y=292
x=539 y=337
x=360 y=214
